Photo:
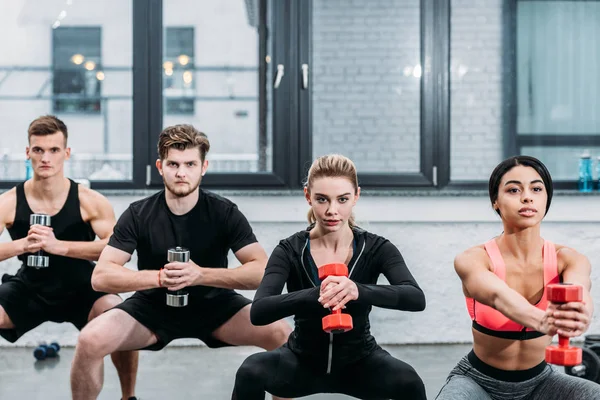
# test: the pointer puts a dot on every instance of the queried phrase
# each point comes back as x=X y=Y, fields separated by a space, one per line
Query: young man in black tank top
x=181 y=215
x=61 y=292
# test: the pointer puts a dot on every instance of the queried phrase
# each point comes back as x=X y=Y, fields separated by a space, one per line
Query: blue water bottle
x=586 y=180
x=28 y=170
x=598 y=172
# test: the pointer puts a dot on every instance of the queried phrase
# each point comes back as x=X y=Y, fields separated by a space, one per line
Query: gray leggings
x=468 y=382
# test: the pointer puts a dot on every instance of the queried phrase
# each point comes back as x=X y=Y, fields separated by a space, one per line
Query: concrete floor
x=186 y=372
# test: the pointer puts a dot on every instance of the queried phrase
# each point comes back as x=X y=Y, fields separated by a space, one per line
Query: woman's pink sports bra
x=492 y=322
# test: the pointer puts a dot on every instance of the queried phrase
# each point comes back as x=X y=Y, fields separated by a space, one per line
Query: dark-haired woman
x=504 y=283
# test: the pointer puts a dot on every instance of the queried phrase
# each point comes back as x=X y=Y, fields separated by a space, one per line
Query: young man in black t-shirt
x=208 y=226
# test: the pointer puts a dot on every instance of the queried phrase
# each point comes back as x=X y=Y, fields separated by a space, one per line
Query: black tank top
x=65 y=276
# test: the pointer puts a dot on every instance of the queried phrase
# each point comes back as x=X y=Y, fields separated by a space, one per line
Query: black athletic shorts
x=27 y=309
x=199 y=319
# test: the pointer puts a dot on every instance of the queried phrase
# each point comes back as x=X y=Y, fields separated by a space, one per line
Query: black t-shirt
x=212 y=228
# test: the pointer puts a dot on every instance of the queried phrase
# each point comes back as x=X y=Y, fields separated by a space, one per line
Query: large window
x=366 y=83
x=74 y=60
x=524 y=80
x=215 y=65
x=370 y=97
x=427 y=94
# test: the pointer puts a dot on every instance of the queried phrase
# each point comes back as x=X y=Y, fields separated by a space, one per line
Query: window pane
x=476 y=88
x=73 y=61
x=178 y=70
x=563 y=162
x=366 y=89
x=558 y=60
x=211 y=80
x=77 y=59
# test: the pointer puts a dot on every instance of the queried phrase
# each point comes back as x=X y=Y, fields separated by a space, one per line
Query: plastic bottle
x=586 y=181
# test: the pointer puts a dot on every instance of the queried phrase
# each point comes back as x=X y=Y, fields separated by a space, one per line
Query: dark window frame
x=290 y=28
x=434 y=104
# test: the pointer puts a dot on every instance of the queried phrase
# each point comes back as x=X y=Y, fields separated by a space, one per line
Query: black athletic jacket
x=292 y=263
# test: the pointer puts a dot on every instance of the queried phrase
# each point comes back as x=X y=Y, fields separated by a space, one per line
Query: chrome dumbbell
x=178 y=298
x=39 y=259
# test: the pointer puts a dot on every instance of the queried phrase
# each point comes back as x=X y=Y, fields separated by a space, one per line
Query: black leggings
x=281 y=373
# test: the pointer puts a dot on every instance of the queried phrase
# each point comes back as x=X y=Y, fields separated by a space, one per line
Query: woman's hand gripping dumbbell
x=336 y=291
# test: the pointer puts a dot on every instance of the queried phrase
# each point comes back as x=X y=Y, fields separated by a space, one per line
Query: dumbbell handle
x=39 y=219
x=579 y=370
x=563 y=341
x=178 y=254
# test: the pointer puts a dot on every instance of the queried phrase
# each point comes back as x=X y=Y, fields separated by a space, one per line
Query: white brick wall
x=363 y=104
x=476 y=88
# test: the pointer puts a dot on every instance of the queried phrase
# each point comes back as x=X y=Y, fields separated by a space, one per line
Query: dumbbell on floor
x=44 y=351
x=336 y=322
x=178 y=298
x=39 y=259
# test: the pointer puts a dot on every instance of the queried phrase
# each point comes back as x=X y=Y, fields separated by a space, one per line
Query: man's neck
x=48 y=189
x=181 y=205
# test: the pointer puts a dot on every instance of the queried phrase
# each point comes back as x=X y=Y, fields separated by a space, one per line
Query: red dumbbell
x=564 y=354
x=336 y=322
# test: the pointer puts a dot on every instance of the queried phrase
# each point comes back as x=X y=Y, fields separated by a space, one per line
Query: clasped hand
x=42 y=237
x=177 y=275
x=568 y=319
x=336 y=291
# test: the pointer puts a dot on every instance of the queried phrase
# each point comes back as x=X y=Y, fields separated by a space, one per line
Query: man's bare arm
x=111 y=276
x=8 y=207
x=245 y=277
x=96 y=209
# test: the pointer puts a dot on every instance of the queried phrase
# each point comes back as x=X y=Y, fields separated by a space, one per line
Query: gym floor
x=186 y=372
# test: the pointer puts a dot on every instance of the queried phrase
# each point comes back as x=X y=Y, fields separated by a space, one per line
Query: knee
x=104 y=304
x=250 y=372
x=280 y=334
x=410 y=382
x=90 y=344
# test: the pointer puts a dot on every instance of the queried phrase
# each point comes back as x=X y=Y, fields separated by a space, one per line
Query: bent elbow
x=418 y=302
x=257 y=316
x=421 y=303
x=97 y=281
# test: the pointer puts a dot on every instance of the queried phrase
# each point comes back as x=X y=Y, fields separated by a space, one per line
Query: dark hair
x=47 y=125
x=182 y=137
x=508 y=164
